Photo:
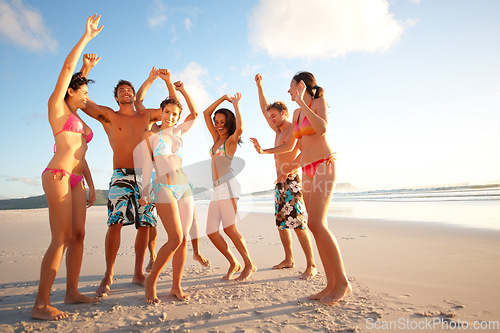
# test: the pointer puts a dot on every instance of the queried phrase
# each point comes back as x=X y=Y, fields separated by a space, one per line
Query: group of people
x=148 y=180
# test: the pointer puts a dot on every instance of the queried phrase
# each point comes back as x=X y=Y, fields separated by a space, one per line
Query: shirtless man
x=288 y=187
x=125 y=129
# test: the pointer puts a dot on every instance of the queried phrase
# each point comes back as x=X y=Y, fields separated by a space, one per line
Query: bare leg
x=213 y=223
x=178 y=262
x=286 y=240
x=153 y=233
x=318 y=192
x=59 y=201
x=186 y=208
x=141 y=244
x=111 y=247
x=74 y=252
x=169 y=216
x=305 y=243
x=195 y=242
x=228 y=213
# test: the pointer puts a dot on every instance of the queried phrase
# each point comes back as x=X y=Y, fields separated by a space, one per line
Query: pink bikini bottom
x=310 y=169
x=73 y=179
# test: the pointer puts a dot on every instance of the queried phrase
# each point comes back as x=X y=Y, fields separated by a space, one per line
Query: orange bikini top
x=305 y=127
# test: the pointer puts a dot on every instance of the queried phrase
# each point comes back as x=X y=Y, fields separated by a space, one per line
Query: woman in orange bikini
x=62 y=182
x=318 y=178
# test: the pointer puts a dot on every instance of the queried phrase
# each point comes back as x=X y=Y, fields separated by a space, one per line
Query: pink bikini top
x=305 y=127
x=75 y=125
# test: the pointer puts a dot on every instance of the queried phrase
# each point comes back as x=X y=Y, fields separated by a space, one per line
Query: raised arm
x=167 y=77
x=285 y=147
x=193 y=111
x=263 y=101
x=207 y=114
x=91 y=30
x=89 y=62
x=318 y=119
x=141 y=93
x=236 y=136
x=155 y=114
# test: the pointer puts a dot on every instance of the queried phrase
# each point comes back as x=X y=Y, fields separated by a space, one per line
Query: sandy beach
x=406 y=277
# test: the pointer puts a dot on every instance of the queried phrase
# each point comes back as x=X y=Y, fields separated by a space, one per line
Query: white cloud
x=24 y=26
x=194 y=76
x=157 y=16
x=28 y=181
x=188 y=24
x=322 y=28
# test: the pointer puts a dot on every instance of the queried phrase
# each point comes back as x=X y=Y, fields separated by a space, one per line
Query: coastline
x=401 y=271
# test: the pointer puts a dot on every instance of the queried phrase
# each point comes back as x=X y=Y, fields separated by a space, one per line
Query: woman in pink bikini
x=318 y=178
x=62 y=182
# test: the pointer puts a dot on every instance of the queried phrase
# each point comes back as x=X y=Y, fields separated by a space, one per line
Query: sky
x=413 y=86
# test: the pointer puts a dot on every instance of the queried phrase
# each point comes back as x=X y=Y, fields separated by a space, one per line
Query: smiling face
x=170 y=115
x=294 y=86
x=79 y=96
x=125 y=94
x=220 y=123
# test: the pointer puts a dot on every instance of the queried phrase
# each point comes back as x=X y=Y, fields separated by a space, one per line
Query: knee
x=78 y=236
x=175 y=240
x=231 y=231
x=316 y=228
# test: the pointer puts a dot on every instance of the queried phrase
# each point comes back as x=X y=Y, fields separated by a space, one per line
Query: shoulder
x=318 y=102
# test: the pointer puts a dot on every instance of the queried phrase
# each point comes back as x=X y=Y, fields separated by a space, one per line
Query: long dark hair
x=311 y=86
x=77 y=80
x=230 y=123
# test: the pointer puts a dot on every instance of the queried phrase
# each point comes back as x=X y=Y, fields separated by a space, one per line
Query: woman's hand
x=179 y=86
x=235 y=99
x=90 y=60
x=91 y=29
x=165 y=74
x=91 y=199
x=257 y=146
x=143 y=201
x=299 y=93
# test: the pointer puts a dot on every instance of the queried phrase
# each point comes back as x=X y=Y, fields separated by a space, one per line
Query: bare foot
x=79 y=298
x=105 y=287
x=139 y=279
x=321 y=294
x=47 y=312
x=309 y=273
x=232 y=269
x=199 y=258
x=338 y=292
x=149 y=267
x=285 y=264
x=179 y=294
x=249 y=270
x=150 y=293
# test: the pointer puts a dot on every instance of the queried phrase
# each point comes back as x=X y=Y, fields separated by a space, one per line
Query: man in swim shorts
x=289 y=205
x=125 y=129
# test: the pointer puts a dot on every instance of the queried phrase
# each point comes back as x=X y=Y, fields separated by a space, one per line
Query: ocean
x=472 y=206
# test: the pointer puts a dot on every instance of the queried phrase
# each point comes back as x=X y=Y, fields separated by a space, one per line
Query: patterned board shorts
x=123 y=201
x=289 y=204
